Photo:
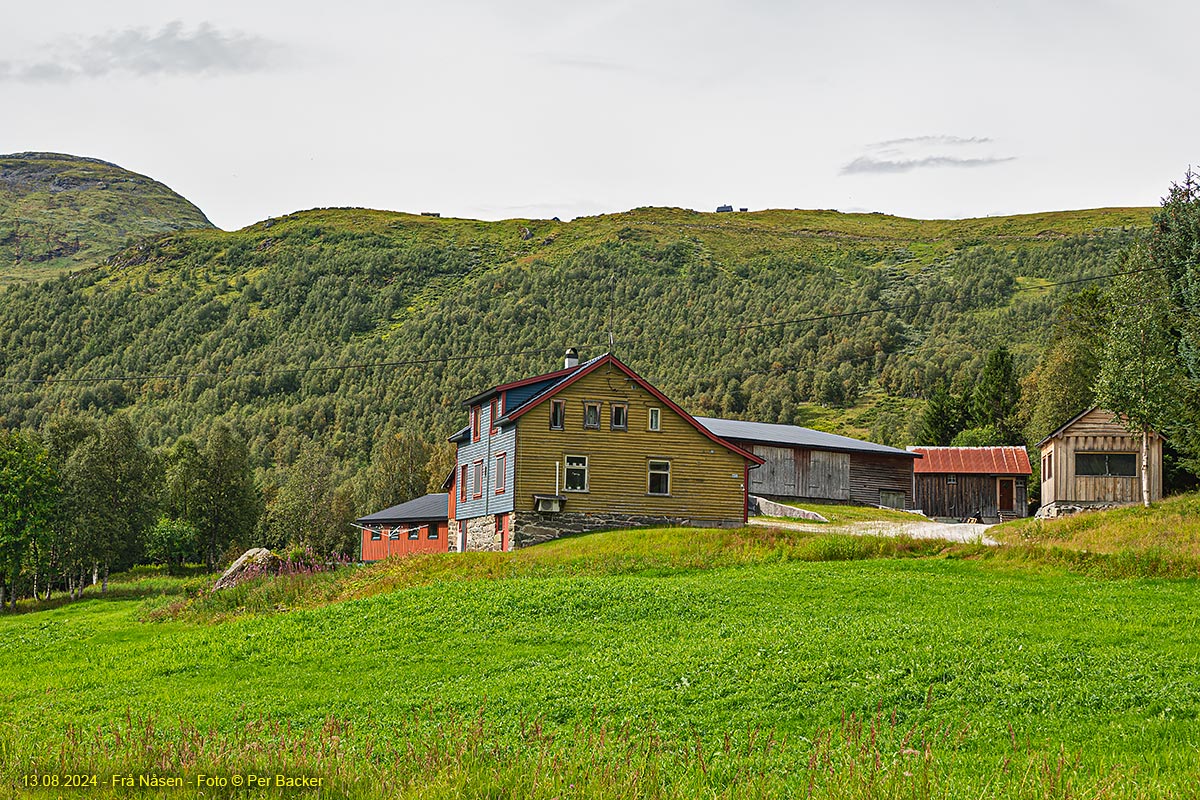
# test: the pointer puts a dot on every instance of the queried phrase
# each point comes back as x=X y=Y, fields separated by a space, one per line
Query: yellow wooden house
x=590 y=447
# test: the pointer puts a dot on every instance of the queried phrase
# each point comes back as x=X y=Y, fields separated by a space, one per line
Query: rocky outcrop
x=251 y=564
x=769 y=508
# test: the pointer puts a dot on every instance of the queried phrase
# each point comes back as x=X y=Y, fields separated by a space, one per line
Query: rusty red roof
x=973 y=460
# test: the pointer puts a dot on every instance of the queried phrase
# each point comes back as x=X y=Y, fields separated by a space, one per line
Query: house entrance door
x=1007 y=494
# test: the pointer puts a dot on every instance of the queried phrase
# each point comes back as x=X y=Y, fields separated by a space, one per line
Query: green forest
x=317 y=362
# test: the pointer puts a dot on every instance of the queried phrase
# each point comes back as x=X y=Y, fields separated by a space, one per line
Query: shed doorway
x=1008 y=493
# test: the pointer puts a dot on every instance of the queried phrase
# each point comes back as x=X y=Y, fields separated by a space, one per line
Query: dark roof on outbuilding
x=429 y=507
x=795 y=436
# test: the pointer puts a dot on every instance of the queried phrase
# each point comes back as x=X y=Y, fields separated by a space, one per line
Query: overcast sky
x=540 y=108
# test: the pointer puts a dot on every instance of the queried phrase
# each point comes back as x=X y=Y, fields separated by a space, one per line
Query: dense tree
x=173 y=542
x=1062 y=384
x=28 y=493
x=997 y=394
x=310 y=509
x=942 y=419
x=398 y=471
x=1139 y=372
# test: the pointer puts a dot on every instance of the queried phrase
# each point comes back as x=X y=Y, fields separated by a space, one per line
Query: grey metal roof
x=795 y=436
x=429 y=507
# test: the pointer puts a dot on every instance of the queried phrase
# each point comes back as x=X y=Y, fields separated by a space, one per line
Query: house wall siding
x=805 y=474
x=485 y=450
x=386 y=547
x=706 y=479
x=969 y=496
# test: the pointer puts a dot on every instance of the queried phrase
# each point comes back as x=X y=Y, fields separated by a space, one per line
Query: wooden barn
x=983 y=483
x=1094 y=460
x=803 y=464
x=418 y=526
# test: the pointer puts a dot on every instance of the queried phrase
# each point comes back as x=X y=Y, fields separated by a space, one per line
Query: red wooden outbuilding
x=418 y=526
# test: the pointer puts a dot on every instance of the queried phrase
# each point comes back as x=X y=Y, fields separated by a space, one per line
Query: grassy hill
x=62 y=213
x=659 y=664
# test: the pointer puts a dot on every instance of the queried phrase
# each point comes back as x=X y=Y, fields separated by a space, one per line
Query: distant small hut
x=1094 y=461
x=418 y=526
x=982 y=483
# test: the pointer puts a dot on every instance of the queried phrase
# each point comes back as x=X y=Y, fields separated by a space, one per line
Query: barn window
x=655 y=419
x=557 y=413
x=577 y=474
x=951 y=480
x=1106 y=465
x=659 y=480
x=620 y=416
x=414 y=532
x=591 y=415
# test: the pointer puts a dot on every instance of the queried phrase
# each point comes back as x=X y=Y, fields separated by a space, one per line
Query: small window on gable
x=655 y=419
x=620 y=417
x=951 y=480
x=414 y=532
x=557 y=413
x=591 y=415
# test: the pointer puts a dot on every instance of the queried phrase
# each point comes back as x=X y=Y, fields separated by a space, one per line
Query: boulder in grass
x=770 y=508
x=251 y=564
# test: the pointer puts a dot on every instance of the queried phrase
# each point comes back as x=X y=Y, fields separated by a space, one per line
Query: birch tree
x=1140 y=377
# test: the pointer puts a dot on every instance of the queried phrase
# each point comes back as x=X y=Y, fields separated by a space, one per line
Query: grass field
x=727 y=664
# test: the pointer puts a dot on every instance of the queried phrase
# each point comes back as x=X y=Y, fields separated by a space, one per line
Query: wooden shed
x=418 y=526
x=982 y=483
x=1094 y=460
x=803 y=464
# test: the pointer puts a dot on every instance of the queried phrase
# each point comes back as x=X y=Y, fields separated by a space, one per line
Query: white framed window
x=620 y=417
x=432 y=532
x=576 y=478
x=951 y=480
x=376 y=536
x=558 y=413
x=591 y=415
x=414 y=532
x=658 y=478
x=655 y=420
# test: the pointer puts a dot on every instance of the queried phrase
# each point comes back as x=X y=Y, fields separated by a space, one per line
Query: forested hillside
x=61 y=213
x=341 y=324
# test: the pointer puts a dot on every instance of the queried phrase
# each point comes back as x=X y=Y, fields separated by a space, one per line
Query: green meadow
x=729 y=664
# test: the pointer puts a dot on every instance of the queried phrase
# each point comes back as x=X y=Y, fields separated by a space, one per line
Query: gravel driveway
x=920 y=529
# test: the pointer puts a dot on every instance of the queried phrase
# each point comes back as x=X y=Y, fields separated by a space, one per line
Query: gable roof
x=1068 y=424
x=1007 y=460
x=429 y=507
x=591 y=366
x=795 y=436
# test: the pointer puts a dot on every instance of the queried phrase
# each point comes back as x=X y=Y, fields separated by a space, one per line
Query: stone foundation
x=481 y=533
x=1065 y=509
x=533 y=527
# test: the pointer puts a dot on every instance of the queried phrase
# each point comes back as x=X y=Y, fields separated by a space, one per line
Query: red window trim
x=501 y=473
x=495 y=412
x=478 y=479
x=462 y=479
x=474 y=423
